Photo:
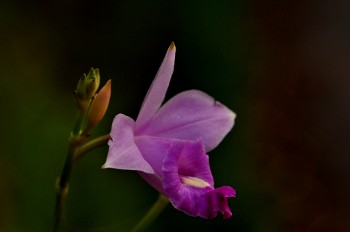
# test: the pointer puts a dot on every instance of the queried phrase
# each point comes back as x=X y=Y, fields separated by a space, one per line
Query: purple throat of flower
x=168 y=144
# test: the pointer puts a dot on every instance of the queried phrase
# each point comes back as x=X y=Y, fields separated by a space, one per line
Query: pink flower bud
x=99 y=106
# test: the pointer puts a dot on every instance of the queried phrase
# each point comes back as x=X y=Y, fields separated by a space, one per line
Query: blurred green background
x=282 y=66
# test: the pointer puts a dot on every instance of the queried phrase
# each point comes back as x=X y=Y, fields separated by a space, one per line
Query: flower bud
x=80 y=92
x=99 y=106
x=92 y=83
x=86 y=89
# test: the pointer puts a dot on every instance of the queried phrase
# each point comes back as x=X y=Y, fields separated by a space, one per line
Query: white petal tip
x=233 y=115
x=105 y=166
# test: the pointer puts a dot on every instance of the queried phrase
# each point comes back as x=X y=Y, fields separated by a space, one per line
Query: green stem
x=152 y=214
x=76 y=149
x=62 y=185
x=78 y=124
x=90 y=145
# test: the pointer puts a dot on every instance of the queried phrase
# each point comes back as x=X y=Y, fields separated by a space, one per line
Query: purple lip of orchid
x=167 y=145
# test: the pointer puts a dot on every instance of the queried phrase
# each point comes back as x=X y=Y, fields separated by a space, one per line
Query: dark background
x=282 y=66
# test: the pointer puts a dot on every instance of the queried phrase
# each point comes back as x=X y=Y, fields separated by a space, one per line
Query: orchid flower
x=167 y=145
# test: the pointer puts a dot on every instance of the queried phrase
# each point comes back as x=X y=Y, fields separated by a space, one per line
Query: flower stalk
x=62 y=184
x=152 y=214
x=91 y=108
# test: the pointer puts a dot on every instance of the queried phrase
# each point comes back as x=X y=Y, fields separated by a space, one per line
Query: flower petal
x=153 y=150
x=204 y=201
x=157 y=91
x=192 y=115
x=123 y=152
x=187 y=158
x=218 y=201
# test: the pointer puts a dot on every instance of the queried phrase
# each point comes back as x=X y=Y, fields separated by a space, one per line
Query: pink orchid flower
x=167 y=145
